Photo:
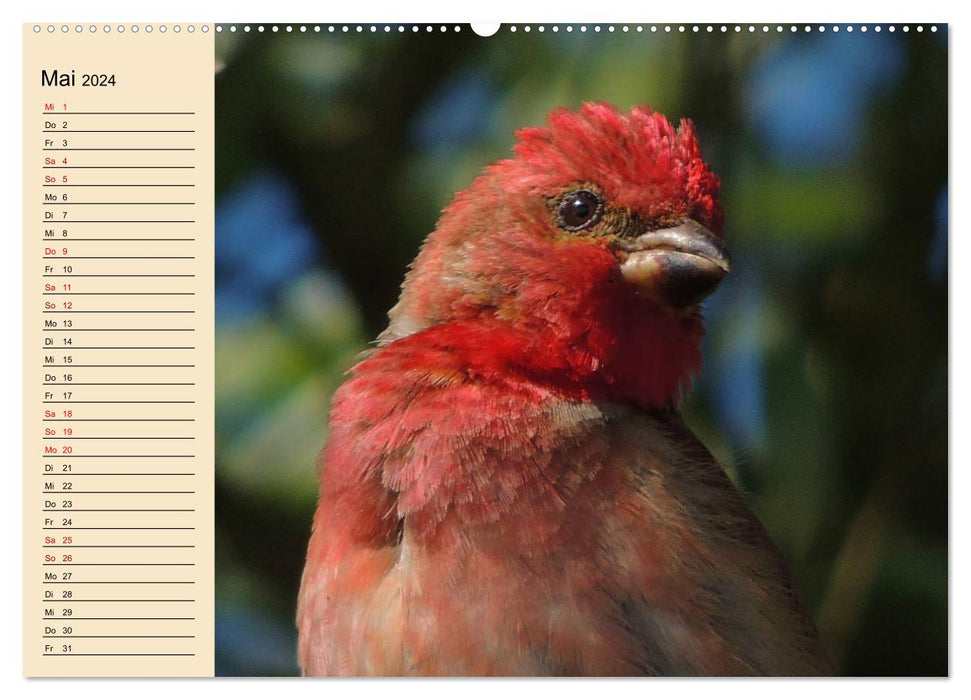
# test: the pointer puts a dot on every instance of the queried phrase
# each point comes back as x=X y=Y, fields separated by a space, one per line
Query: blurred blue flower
x=734 y=376
x=458 y=113
x=262 y=243
x=250 y=644
x=807 y=98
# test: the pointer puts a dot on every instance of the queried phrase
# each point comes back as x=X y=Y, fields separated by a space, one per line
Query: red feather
x=505 y=487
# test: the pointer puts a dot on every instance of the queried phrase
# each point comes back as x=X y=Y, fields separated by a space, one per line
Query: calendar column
x=118 y=350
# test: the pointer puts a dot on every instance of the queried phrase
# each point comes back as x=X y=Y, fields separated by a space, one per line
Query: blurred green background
x=825 y=388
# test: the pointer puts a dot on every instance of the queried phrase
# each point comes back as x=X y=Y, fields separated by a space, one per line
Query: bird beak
x=676 y=266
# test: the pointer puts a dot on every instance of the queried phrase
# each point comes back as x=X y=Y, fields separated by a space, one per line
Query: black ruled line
x=117 y=221
x=68 y=529
x=115 y=113
x=119 y=294
x=73 y=275
x=119 y=167
x=72 y=238
x=71 y=491
x=124 y=311
x=72 y=583
x=114 y=204
x=117 y=330
x=115 y=618
x=119 y=636
x=119 y=546
x=118 y=149
x=120 y=600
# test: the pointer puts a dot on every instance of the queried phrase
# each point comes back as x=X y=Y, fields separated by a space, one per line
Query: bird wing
x=535 y=535
x=697 y=580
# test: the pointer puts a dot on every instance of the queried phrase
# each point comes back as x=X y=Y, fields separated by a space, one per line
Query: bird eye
x=579 y=210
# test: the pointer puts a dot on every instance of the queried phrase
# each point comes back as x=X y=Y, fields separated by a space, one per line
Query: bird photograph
x=582 y=351
x=508 y=488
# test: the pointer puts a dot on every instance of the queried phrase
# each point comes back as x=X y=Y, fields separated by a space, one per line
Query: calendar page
x=451 y=350
x=119 y=439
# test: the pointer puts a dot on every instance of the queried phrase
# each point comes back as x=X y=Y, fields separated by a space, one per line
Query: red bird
x=507 y=488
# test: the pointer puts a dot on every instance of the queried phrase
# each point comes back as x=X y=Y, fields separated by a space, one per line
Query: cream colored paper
x=118 y=351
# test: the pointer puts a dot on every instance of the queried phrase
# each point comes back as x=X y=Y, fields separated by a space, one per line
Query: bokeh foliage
x=826 y=384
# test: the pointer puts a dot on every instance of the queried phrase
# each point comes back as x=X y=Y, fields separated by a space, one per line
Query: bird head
x=603 y=234
x=635 y=184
